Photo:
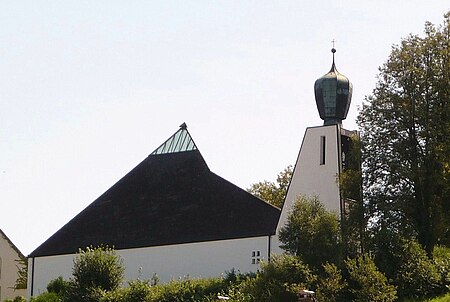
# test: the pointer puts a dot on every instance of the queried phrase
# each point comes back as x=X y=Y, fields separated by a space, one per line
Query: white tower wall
x=316 y=170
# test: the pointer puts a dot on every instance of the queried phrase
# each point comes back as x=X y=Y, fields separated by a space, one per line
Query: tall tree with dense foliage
x=312 y=233
x=405 y=130
x=353 y=222
x=273 y=193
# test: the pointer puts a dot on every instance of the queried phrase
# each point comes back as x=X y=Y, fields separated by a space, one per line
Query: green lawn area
x=445 y=298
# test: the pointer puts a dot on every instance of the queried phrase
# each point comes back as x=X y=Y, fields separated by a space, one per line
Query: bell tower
x=323 y=151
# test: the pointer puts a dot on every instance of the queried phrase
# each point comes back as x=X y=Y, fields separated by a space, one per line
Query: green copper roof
x=181 y=141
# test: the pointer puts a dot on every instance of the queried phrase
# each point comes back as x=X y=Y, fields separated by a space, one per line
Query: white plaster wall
x=8 y=270
x=275 y=245
x=310 y=178
x=47 y=269
x=203 y=259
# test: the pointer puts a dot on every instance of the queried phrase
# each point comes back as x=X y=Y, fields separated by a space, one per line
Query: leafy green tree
x=273 y=193
x=353 y=222
x=312 y=233
x=405 y=130
x=367 y=283
x=22 y=273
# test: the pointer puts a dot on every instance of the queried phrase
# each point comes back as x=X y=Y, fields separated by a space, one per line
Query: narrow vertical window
x=322 y=150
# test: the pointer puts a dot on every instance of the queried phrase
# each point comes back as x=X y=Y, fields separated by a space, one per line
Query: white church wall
x=203 y=259
x=193 y=260
x=315 y=175
x=45 y=269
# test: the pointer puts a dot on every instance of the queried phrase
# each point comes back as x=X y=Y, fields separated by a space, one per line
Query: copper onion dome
x=333 y=94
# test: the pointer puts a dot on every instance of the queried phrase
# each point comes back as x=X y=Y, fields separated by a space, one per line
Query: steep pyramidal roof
x=169 y=198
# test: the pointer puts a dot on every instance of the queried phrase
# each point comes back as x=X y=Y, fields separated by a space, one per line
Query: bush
x=46 y=297
x=441 y=259
x=331 y=287
x=201 y=290
x=188 y=290
x=279 y=280
x=417 y=276
x=95 y=272
x=137 y=291
x=367 y=283
x=59 y=286
x=16 y=299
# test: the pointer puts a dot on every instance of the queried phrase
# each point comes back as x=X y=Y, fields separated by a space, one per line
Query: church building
x=325 y=149
x=171 y=215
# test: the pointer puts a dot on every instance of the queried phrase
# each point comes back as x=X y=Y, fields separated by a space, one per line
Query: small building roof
x=171 y=197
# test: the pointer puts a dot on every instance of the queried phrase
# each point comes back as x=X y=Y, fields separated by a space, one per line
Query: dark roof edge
x=261 y=200
x=170 y=244
x=12 y=245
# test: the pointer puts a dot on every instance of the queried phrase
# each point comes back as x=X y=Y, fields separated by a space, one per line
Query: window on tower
x=322 y=150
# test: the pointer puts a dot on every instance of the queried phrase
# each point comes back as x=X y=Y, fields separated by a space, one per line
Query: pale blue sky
x=89 y=88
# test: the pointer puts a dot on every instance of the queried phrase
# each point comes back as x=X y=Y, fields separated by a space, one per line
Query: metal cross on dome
x=334 y=42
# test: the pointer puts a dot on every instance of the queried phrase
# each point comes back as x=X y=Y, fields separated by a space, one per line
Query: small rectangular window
x=322 y=150
x=256 y=257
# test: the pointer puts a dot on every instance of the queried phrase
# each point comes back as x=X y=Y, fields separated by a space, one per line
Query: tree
x=95 y=271
x=350 y=186
x=405 y=130
x=22 y=273
x=273 y=193
x=312 y=233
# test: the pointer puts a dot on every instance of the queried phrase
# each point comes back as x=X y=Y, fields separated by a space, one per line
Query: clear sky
x=89 y=88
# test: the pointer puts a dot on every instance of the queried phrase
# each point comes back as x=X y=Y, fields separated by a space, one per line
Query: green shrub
x=58 y=286
x=367 y=283
x=46 y=297
x=16 y=299
x=279 y=280
x=417 y=276
x=331 y=287
x=137 y=291
x=441 y=259
x=188 y=290
x=95 y=272
x=201 y=290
